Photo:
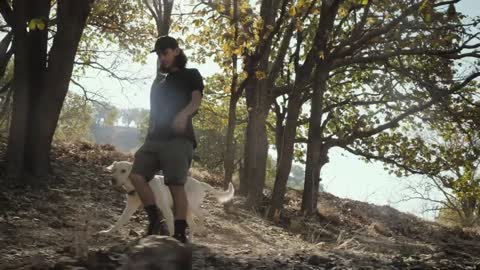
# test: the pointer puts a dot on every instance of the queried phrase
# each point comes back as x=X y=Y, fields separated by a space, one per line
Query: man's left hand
x=180 y=123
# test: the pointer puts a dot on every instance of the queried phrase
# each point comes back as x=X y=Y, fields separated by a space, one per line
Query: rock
x=101 y=259
x=65 y=262
x=55 y=223
x=159 y=253
x=133 y=233
x=318 y=260
x=39 y=262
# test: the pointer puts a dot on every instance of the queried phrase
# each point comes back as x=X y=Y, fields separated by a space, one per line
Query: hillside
x=44 y=228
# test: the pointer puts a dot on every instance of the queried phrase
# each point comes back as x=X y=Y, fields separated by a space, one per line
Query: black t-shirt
x=168 y=96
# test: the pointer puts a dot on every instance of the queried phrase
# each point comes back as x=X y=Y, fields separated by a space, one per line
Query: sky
x=345 y=175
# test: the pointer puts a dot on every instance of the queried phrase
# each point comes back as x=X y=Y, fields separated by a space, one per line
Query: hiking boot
x=157 y=222
x=159 y=227
x=181 y=238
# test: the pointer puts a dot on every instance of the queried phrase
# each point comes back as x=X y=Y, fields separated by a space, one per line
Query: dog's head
x=120 y=171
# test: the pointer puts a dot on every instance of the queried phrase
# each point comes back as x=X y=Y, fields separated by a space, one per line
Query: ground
x=55 y=225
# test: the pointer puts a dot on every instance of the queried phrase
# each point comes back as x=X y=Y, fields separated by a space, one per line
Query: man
x=175 y=97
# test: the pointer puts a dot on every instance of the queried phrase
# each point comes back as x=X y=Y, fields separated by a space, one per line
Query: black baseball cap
x=165 y=42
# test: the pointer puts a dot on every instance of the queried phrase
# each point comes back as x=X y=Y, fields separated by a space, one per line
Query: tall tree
x=40 y=87
x=161 y=11
x=247 y=38
x=46 y=84
x=401 y=44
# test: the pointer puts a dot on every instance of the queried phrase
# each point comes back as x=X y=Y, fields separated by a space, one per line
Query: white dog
x=195 y=190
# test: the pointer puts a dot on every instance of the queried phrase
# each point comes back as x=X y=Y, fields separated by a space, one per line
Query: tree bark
x=229 y=160
x=258 y=103
x=21 y=100
x=279 y=129
x=256 y=143
x=72 y=17
x=229 y=155
x=286 y=155
x=37 y=57
x=248 y=153
x=316 y=152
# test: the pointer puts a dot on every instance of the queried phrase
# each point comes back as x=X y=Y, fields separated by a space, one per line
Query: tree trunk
x=229 y=156
x=469 y=206
x=286 y=155
x=72 y=17
x=164 y=28
x=37 y=52
x=279 y=130
x=21 y=91
x=316 y=152
x=229 y=160
x=256 y=143
x=244 y=177
x=248 y=155
x=258 y=103
x=258 y=151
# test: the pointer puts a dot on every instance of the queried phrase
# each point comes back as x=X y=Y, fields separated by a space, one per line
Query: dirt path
x=44 y=228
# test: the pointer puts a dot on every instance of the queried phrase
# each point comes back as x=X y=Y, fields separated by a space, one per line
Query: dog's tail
x=221 y=196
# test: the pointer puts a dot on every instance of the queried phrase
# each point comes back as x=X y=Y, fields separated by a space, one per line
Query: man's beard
x=163 y=69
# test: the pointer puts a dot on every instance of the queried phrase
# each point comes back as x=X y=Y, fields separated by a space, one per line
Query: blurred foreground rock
x=159 y=253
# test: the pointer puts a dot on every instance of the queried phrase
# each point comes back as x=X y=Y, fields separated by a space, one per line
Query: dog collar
x=130 y=193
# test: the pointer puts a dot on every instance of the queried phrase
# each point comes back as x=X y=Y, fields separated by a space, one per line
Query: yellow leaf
x=260 y=75
x=35 y=24
x=41 y=25
x=300 y=3
x=226 y=47
x=292 y=11
x=238 y=51
x=32 y=25
x=424 y=5
x=364 y=2
x=321 y=55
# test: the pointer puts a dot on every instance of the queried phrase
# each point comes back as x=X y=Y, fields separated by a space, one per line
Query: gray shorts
x=173 y=157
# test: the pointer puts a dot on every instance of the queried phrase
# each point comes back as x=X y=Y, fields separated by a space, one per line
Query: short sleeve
x=196 y=80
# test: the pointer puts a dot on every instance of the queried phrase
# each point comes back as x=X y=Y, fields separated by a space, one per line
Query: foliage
x=211 y=122
x=442 y=144
x=132 y=116
x=116 y=26
x=75 y=120
x=105 y=114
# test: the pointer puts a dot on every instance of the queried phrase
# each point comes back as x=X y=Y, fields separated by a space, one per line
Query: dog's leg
x=133 y=202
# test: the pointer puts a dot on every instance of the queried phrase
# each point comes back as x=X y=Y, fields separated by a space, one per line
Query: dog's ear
x=110 y=168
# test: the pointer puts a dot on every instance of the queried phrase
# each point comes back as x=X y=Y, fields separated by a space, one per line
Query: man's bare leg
x=180 y=202
x=157 y=224
x=143 y=189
